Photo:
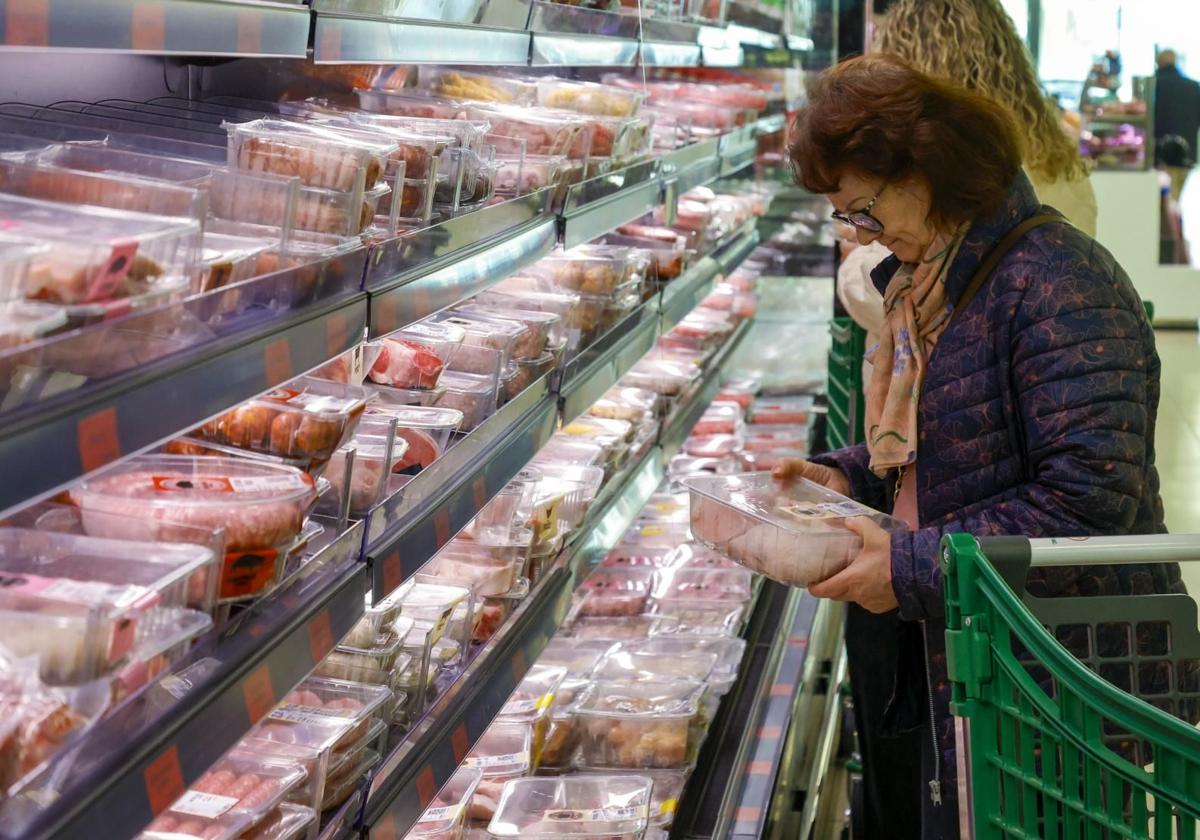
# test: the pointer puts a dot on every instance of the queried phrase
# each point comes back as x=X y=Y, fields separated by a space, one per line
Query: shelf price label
x=164 y=780
x=479 y=489
x=427 y=786
x=441 y=527
x=329 y=41
x=258 y=693
x=97 y=439
x=148 y=28
x=27 y=23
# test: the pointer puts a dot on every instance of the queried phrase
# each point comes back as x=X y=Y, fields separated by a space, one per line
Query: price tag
x=460 y=743
x=427 y=786
x=148 y=28
x=329 y=42
x=479 y=489
x=258 y=693
x=441 y=527
x=164 y=781
x=320 y=636
x=27 y=23
x=335 y=333
x=96 y=437
x=389 y=314
x=393 y=573
x=249 y=32
x=206 y=805
x=277 y=361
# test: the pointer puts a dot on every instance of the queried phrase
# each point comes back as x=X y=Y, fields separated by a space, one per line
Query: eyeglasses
x=862 y=219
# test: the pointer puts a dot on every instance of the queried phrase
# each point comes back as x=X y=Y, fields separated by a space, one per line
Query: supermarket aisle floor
x=1178 y=437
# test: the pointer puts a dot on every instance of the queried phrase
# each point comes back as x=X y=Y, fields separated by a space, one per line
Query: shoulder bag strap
x=998 y=253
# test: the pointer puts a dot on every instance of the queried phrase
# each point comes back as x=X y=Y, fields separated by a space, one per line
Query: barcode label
x=207 y=805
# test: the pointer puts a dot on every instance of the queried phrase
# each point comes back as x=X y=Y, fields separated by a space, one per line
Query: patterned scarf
x=915 y=313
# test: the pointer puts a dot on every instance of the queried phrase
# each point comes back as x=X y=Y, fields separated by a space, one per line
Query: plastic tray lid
x=449 y=807
x=175 y=825
x=418 y=416
x=631 y=666
x=708 y=586
x=504 y=750
x=468 y=383
x=335 y=698
x=262 y=782
x=666 y=791
x=578 y=657
x=621 y=629
x=535 y=694
x=288 y=822
x=587 y=478
x=573 y=806
x=320 y=397
x=25 y=321
x=665 y=699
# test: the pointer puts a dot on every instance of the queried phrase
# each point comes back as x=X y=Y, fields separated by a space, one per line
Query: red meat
x=422 y=451
x=407 y=364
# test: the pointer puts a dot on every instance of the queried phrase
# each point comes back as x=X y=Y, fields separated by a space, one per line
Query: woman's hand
x=793 y=468
x=867 y=581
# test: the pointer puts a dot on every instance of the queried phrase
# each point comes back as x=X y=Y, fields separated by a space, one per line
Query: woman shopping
x=1015 y=384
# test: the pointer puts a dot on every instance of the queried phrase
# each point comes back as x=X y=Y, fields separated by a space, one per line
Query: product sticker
x=289 y=713
x=247 y=572
x=446 y=813
x=652 y=531
x=524 y=707
x=668 y=807
x=207 y=805
x=821 y=510
x=630 y=813
x=105 y=282
x=667 y=507
x=269 y=483
x=482 y=762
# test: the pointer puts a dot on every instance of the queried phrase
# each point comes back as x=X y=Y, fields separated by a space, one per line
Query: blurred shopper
x=1176 y=121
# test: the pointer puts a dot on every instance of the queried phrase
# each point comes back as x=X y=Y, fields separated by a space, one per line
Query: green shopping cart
x=1071 y=713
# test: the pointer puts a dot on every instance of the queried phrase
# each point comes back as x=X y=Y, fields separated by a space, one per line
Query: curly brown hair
x=973 y=43
x=877 y=116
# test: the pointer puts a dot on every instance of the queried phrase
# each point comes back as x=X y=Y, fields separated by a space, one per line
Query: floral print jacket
x=1036 y=417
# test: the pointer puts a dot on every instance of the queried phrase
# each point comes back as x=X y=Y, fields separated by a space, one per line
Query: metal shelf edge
x=585 y=379
x=680 y=297
x=341 y=39
x=673 y=433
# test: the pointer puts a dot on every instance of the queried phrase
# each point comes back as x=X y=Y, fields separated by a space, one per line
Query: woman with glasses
x=1015 y=383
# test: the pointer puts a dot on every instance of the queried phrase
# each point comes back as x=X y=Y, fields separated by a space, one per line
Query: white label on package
x=630 y=813
x=481 y=762
x=446 y=813
x=524 y=707
x=207 y=805
x=822 y=510
x=86 y=592
x=266 y=483
x=304 y=714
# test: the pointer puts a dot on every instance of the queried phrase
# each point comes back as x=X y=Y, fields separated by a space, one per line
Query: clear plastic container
x=768 y=460
x=99 y=255
x=174 y=825
x=531 y=702
x=305 y=419
x=720 y=418
x=646 y=724
x=600 y=807
x=465 y=563
x=530 y=344
x=665 y=792
x=318 y=698
x=522 y=373
x=475 y=86
x=587 y=273
x=712 y=446
x=388 y=396
x=691 y=555
x=425 y=430
x=740 y=390
x=790 y=411
x=411 y=104
x=259 y=506
x=341 y=788
x=522 y=174
x=700 y=619
x=494 y=337
x=370 y=469
x=504 y=752
x=472 y=394
x=445 y=816
x=433 y=603
x=370 y=664
x=683 y=466
x=544 y=132
x=612 y=593
x=626 y=628
x=241 y=783
x=318 y=156
x=577 y=656
x=286 y=822
x=771 y=437
x=589 y=98
x=227 y=259
x=176 y=629
x=662 y=377
x=415 y=356
x=21 y=323
x=793 y=533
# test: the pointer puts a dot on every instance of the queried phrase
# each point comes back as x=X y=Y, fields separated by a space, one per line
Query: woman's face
x=902 y=207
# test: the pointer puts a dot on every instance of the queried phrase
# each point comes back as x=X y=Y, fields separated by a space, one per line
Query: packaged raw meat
x=317 y=155
x=720 y=418
x=615 y=592
x=699 y=619
x=524 y=372
x=790 y=411
x=176 y=629
x=515 y=294
x=174 y=825
x=632 y=555
x=794 y=533
x=668 y=257
x=770 y=437
x=97 y=254
x=665 y=378
x=476 y=86
x=444 y=818
x=472 y=394
x=227 y=259
x=692 y=555
x=768 y=460
x=240 y=784
x=371 y=464
x=728 y=650
x=588 y=98
x=545 y=132
x=531 y=344
x=635 y=725
x=706 y=586
x=530 y=703
x=493 y=335
x=740 y=390
x=666 y=506
x=617 y=629
x=306 y=418
x=433 y=603
x=465 y=563
x=372 y=664
x=523 y=174
x=666 y=789
x=82 y=605
x=600 y=807
x=258 y=506
x=626 y=403
x=425 y=430
x=577 y=656
x=318 y=698
x=401 y=397
x=37 y=721
x=658 y=534
x=286 y=822
x=340 y=788
x=503 y=753
x=712 y=446
x=415 y=356
x=577 y=484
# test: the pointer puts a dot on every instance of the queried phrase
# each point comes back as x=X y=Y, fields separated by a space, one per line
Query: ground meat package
x=794 y=533
x=601 y=807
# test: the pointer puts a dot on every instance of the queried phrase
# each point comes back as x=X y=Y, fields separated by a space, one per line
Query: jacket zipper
x=935 y=784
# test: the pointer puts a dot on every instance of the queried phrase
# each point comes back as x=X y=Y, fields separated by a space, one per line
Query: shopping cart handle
x=1092 y=551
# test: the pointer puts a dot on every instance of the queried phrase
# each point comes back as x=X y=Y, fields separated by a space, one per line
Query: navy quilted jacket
x=1036 y=417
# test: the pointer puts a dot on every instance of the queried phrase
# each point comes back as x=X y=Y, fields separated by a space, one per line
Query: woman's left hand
x=867 y=581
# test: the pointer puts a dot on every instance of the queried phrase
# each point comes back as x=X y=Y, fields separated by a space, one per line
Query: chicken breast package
x=504 y=752
x=636 y=725
x=600 y=807
x=444 y=818
x=794 y=533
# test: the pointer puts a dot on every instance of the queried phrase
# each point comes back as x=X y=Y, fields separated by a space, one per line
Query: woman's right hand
x=793 y=468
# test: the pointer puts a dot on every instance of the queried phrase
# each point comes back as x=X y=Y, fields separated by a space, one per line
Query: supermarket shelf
x=680 y=296
x=601 y=204
x=139 y=760
x=680 y=423
x=52 y=445
x=598 y=368
x=692 y=166
x=348 y=38
x=669 y=54
x=414 y=772
x=242 y=28
x=735 y=252
x=409 y=527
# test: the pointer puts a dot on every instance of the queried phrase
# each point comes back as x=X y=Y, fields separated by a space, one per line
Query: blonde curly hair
x=974 y=43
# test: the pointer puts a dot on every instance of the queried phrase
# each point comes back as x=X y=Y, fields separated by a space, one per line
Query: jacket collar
x=982 y=237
